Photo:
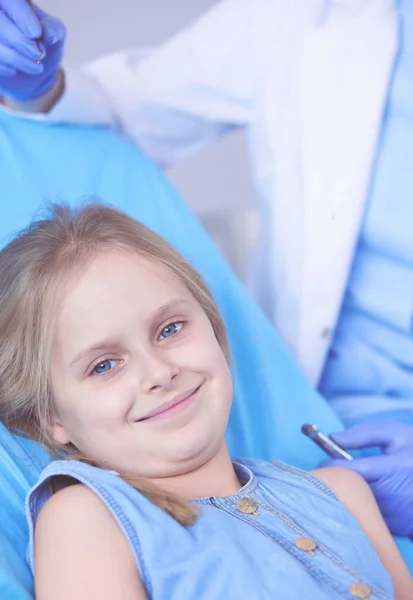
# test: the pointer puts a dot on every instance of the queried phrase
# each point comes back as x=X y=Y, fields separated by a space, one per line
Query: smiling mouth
x=173 y=407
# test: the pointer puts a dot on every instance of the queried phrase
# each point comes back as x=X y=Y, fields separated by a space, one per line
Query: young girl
x=114 y=356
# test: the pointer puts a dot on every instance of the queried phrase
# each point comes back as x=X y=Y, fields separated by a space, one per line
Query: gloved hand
x=390 y=475
x=25 y=33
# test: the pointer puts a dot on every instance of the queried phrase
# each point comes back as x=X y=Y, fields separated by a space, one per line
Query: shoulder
x=74 y=512
x=79 y=548
x=72 y=501
x=348 y=486
x=355 y=494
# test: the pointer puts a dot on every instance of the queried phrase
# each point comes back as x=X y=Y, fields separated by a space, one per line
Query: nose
x=157 y=371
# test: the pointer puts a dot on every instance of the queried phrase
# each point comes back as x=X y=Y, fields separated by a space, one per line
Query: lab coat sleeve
x=181 y=96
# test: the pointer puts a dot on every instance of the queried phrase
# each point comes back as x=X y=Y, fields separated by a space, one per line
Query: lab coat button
x=326 y=333
x=247 y=506
x=360 y=590
x=306 y=544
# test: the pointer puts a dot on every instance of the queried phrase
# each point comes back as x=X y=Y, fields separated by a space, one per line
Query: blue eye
x=170 y=330
x=103 y=367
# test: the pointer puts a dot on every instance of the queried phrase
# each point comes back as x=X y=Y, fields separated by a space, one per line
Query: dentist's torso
x=313 y=143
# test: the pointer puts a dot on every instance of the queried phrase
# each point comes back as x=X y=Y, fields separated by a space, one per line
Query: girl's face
x=139 y=380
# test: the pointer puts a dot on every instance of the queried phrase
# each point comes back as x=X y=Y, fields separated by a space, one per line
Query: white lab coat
x=308 y=79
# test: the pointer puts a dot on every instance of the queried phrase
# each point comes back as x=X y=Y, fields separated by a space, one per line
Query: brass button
x=247 y=506
x=306 y=544
x=360 y=590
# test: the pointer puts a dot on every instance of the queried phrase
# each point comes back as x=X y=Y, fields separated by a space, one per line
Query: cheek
x=83 y=407
x=63 y=407
x=204 y=351
x=225 y=380
x=219 y=365
x=215 y=366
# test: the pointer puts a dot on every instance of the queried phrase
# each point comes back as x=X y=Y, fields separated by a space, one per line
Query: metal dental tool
x=324 y=442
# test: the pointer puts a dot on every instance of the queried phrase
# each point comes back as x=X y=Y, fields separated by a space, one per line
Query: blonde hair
x=33 y=267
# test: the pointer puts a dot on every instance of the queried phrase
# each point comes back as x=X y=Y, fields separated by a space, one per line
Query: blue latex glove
x=26 y=33
x=390 y=474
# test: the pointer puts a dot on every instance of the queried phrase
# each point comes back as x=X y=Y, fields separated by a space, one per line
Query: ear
x=57 y=431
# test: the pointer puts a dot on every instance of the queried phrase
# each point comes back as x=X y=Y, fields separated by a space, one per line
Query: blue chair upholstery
x=20 y=463
x=272 y=399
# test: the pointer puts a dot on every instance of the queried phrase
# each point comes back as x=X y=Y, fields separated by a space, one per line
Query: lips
x=164 y=408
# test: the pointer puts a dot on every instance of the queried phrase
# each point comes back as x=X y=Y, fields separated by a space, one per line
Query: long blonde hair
x=33 y=268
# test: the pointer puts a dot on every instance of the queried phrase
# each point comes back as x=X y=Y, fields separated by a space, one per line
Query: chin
x=191 y=452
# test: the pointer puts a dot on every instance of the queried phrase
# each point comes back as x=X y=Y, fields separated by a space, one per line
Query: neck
x=215 y=477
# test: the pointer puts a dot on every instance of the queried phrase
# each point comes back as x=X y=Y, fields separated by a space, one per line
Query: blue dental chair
x=272 y=400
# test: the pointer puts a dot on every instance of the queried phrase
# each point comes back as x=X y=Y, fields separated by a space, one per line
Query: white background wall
x=215 y=183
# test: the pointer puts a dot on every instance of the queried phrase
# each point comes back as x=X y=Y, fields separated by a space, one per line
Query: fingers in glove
x=367 y=435
x=371 y=468
x=7 y=71
x=54 y=30
x=11 y=58
x=25 y=17
x=12 y=37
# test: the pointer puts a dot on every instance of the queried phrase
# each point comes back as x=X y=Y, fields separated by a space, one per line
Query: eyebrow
x=104 y=346
x=160 y=313
x=168 y=307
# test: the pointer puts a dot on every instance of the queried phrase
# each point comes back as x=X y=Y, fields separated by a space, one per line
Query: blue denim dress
x=283 y=535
